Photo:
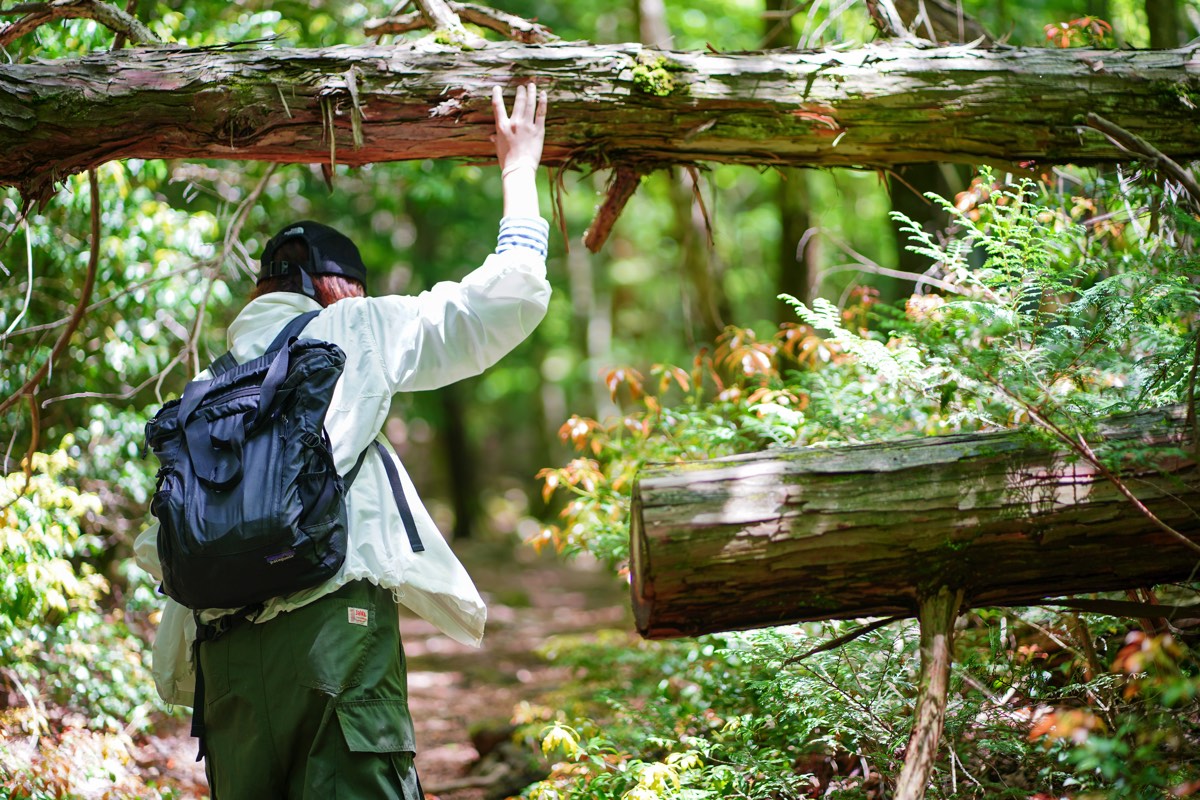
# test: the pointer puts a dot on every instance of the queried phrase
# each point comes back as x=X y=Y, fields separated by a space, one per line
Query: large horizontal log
x=827 y=533
x=876 y=106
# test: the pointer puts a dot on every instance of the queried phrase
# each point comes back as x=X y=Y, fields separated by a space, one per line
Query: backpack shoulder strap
x=292 y=329
x=226 y=361
x=393 y=474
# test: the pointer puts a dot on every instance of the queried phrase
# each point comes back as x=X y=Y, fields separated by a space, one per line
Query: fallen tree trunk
x=824 y=533
x=877 y=106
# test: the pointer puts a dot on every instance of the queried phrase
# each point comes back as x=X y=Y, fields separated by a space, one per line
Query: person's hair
x=328 y=288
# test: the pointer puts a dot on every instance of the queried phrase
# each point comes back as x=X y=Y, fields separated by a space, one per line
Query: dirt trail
x=454 y=689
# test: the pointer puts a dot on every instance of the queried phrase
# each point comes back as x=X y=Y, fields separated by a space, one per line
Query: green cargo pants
x=312 y=705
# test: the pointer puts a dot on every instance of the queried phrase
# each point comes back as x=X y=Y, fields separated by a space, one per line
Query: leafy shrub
x=57 y=641
x=1054 y=313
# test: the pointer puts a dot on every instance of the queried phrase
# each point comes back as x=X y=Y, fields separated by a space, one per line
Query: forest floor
x=462 y=698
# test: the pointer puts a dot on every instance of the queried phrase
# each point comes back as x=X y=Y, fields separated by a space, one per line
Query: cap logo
x=298 y=229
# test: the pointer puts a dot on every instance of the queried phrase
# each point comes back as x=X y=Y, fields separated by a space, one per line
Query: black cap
x=329 y=253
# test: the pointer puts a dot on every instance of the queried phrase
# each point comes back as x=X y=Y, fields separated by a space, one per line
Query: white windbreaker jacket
x=393 y=344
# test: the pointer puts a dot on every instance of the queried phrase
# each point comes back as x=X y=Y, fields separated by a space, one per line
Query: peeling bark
x=878 y=106
x=825 y=533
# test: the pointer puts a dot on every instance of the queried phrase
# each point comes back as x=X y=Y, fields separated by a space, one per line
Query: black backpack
x=249 y=503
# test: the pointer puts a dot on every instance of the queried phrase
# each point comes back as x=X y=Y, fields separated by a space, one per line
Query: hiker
x=307 y=696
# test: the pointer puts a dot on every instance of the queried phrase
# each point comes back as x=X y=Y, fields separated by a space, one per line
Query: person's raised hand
x=519 y=135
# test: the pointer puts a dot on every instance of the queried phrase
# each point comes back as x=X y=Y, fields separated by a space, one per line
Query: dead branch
x=124 y=291
x=38 y=14
x=942 y=21
x=35 y=435
x=887 y=19
x=1126 y=608
x=1192 y=422
x=698 y=196
x=509 y=26
x=211 y=268
x=89 y=283
x=621 y=186
x=232 y=235
x=394 y=26
x=1078 y=445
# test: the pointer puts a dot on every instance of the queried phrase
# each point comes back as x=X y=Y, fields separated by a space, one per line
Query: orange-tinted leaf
x=1043 y=726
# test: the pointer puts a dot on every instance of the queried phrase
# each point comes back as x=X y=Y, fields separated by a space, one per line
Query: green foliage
x=678 y=722
x=58 y=643
x=1140 y=741
x=1046 y=328
x=1055 y=311
x=731 y=401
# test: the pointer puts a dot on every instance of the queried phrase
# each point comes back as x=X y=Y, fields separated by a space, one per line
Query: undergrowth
x=1053 y=312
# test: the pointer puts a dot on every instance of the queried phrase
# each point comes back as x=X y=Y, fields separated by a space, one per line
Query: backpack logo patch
x=358 y=616
x=279 y=558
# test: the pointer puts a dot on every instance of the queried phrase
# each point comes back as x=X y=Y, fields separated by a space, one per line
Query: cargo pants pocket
x=379 y=748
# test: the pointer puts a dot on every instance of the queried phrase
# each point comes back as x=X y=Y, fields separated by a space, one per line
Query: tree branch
x=887 y=19
x=1136 y=144
x=232 y=234
x=121 y=37
x=509 y=26
x=1125 y=608
x=125 y=290
x=1192 y=422
x=621 y=186
x=845 y=638
x=445 y=24
x=612 y=104
x=941 y=21
x=38 y=14
x=77 y=318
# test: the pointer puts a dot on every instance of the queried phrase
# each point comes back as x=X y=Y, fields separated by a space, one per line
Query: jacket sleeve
x=174 y=675
x=145 y=551
x=458 y=329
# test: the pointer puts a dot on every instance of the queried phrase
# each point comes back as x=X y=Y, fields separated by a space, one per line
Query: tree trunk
x=1162 y=18
x=937 y=614
x=877 y=106
x=798 y=265
x=824 y=533
x=701 y=281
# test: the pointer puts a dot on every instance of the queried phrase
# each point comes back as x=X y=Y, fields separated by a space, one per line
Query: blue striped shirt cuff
x=529 y=232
